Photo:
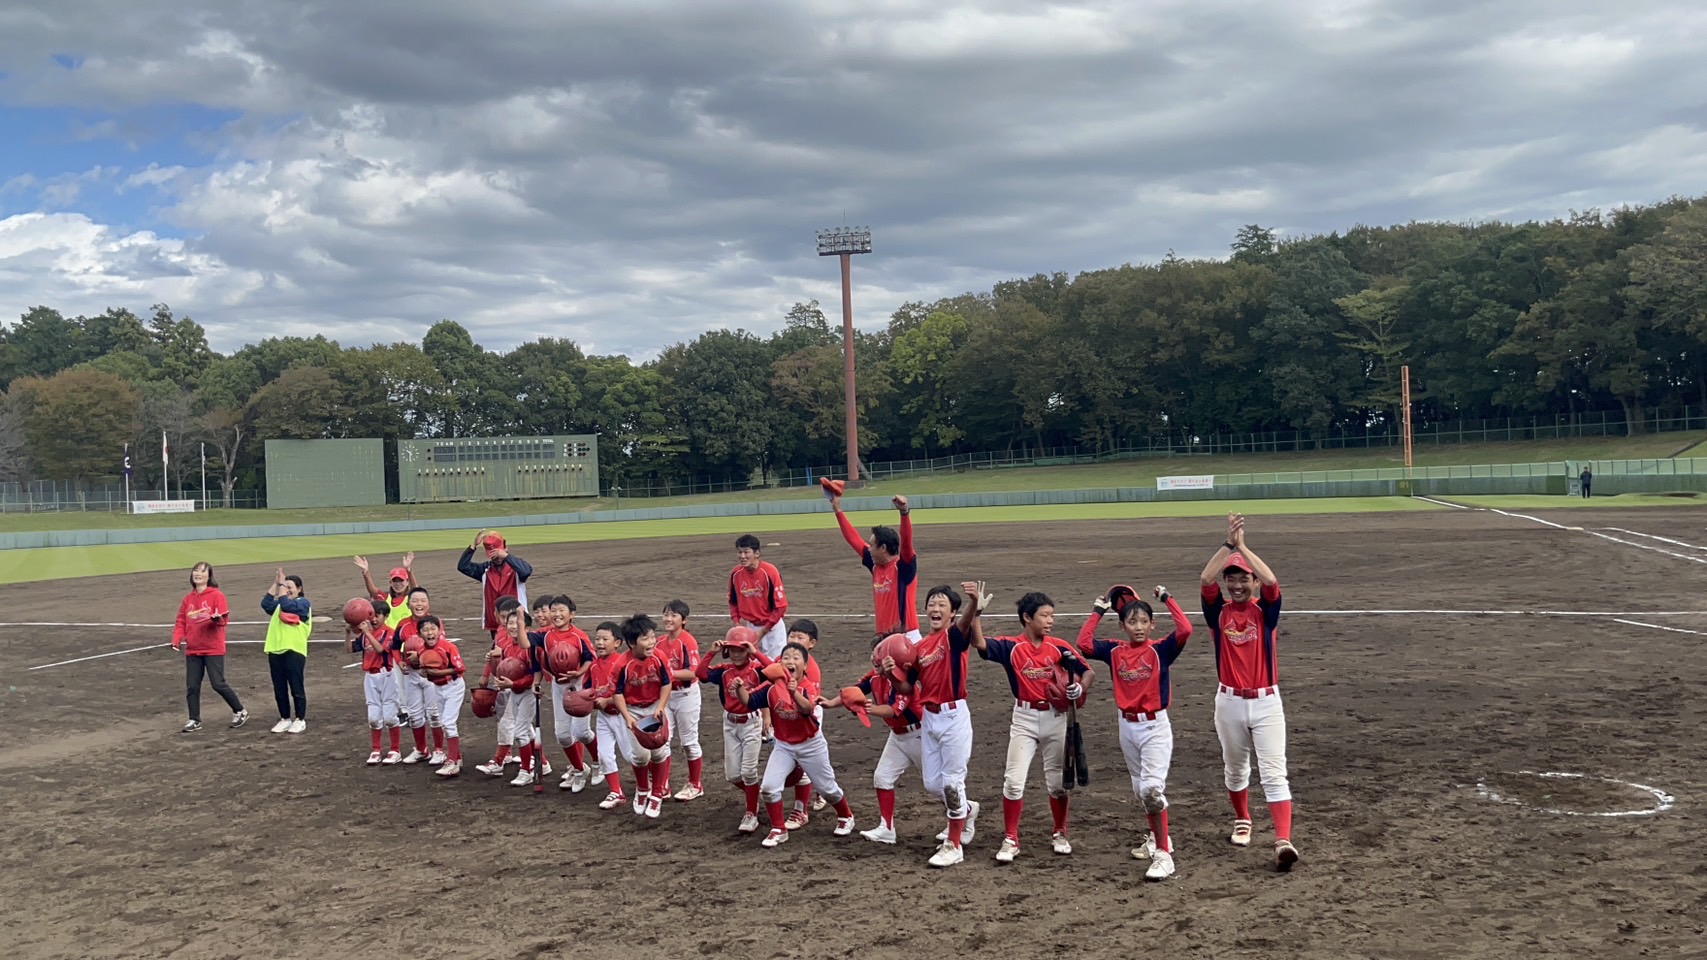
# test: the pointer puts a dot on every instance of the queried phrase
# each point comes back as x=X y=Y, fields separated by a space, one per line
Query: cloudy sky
x=628 y=173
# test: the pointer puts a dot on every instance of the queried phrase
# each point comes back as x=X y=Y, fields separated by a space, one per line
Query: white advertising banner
x=162 y=506
x=1185 y=483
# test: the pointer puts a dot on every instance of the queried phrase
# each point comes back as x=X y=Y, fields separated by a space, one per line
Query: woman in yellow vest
x=287 y=649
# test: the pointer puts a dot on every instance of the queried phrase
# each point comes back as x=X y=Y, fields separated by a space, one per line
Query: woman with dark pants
x=287 y=649
x=200 y=633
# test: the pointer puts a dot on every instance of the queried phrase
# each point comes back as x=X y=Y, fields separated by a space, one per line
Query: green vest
x=398 y=613
x=288 y=637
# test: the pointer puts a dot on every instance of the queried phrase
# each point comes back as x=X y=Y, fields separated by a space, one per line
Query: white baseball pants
x=901 y=752
x=416 y=695
x=742 y=743
x=1148 y=746
x=773 y=640
x=381 y=692
x=1030 y=730
x=568 y=729
x=813 y=759
x=613 y=737
x=445 y=704
x=637 y=756
x=1253 y=725
x=685 y=705
x=945 y=750
x=515 y=724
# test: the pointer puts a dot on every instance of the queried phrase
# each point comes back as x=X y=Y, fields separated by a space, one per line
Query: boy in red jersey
x=756 y=597
x=939 y=689
x=1139 y=667
x=574 y=734
x=681 y=652
x=440 y=662
x=894 y=570
x=1032 y=661
x=378 y=646
x=415 y=689
x=642 y=691
x=805 y=633
x=515 y=709
x=733 y=664
x=1249 y=716
x=889 y=700
x=799 y=744
x=601 y=680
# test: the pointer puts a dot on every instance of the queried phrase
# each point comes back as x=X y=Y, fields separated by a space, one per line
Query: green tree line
x=1595 y=311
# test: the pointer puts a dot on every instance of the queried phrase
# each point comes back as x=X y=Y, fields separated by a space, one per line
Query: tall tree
x=14 y=452
x=77 y=422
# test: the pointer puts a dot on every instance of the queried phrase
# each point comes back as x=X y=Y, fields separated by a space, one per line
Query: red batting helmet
x=1056 y=692
x=358 y=611
x=515 y=670
x=652 y=733
x=741 y=637
x=1119 y=596
x=578 y=703
x=414 y=645
x=484 y=700
x=564 y=658
x=899 y=647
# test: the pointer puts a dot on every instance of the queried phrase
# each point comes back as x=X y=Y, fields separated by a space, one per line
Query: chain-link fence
x=107 y=494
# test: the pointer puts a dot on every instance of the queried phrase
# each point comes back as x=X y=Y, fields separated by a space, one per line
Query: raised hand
x=900 y=503
x=361 y=562
x=409 y=559
x=1101 y=605
x=1161 y=593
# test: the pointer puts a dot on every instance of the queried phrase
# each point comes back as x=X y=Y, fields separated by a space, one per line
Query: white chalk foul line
x=1444 y=503
x=1656 y=626
x=1662 y=801
x=98 y=656
x=1603 y=536
x=1651 y=536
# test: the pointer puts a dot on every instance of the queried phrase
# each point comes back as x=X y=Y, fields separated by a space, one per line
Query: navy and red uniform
x=1139 y=670
x=882 y=688
x=1031 y=666
x=941 y=666
x=894 y=585
x=1247 y=658
x=642 y=681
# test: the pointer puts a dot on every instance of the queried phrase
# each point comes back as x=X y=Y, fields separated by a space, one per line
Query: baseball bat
x=1081 y=763
x=1070 y=755
x=538 y=749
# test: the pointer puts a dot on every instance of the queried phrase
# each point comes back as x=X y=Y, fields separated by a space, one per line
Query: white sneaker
x=1061 y=844
x=640 y=804
x=545 y=768
x=971 y=829
x=392 y=758
x=1009 y=850
x=297 y=726
x=450 y=769
x=491 y=769
x=844 y=826
x=774 y=838
x=749 y=823
x=282 y=725
x=947 y=855
x=689 y=792
x=523 y=779
x=414 y=757
x=1241 y=833
x=598 y=778
x=514 y=757
x=654 y=806
x=1145 y=850
x=879 y=834
x=612 y=801
x=797 y=818
x=1285 y=855
x=239 y=718
x=818 y=801
x=574 y=781
x=373 y=759
x=437 y=758
x=1161 y=866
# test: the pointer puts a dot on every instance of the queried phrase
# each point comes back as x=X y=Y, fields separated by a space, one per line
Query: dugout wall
x=325 y=473
x=497 y=468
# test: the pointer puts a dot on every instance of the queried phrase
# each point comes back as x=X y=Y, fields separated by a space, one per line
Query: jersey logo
x=788 y=709
x=1037 y=672
x=1238 y=636
x=926 y=659
x=1137 y=672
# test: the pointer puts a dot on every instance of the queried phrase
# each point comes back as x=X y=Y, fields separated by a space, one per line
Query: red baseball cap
x=399 y=573
x=493 y=542
x=1237 y=561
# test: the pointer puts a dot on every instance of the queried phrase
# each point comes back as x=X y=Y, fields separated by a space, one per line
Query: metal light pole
x=844 y=242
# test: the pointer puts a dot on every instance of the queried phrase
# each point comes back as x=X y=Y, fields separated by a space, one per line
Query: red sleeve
x=663 y=671
x=221 y=606
x=1088 y=635
x=907 y=537
x=703 y=671
x=778 y=597
x=1210 y=592
x=850 y=534
x=690 y=653
x=1271 y=591
x=1182 y=623
x=734 y=613
x=180 y=627
x=456 y=661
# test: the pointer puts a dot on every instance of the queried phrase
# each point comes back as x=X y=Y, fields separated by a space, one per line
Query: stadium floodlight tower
x=844 y=242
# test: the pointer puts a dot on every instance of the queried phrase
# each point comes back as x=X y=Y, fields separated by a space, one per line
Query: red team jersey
x=453 y=658
x=725 y=676
x=642 y=682
x=601 y=680
x=1031 y=666
x=1246 y=657
x=377 y=652
x=881 y=688
x=756 y=596
x=789 y=723
x=574 y=636
x=680 y=653
x=204 y=633
x=894 y=586
x=941 y=668
x=1139 y=670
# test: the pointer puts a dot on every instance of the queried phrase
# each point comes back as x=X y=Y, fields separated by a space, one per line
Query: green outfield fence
x=1610 y=477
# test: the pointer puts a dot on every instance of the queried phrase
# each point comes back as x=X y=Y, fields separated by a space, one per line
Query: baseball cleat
x=1061 y=844
x=437 y=758
x=818 y=802
x=282 y=725
x=373 y=759
x=612 y=801
x=749 y=823
x=1161 y=866
x=392 y=758
x=514 y=757
x=879 y=834
x=523 y=779
x=545 y=768
x=414 y=757
x=191 y=727
x=640 y=804
x=971 y=828
x=239 y=718
x=1285 y=855
x=575 y=782
x=797 y=819
x=598 y=779
x=491 y=768
x=1241 y=833
x=774 y=838
x=297 y=726
x=690 y=792
x=1145 y=850
x=947 y=855
x=654 y=806
x=450 y=769
x=844 y=826
x=1009 y=850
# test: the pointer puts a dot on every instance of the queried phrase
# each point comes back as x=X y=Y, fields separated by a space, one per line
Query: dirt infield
x=1413 y=743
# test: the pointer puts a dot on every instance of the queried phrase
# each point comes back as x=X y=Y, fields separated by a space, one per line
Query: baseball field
x=1494 y=738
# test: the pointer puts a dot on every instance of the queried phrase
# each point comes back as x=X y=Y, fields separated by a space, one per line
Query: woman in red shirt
x=200 y=634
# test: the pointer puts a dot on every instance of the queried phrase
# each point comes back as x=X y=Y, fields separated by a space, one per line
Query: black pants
x=1586 y=487
x=195 y=666
x=288 y=669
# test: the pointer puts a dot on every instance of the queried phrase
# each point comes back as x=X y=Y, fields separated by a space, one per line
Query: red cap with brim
x=493 y=542
x=1237 y=561
x=400 y=573
x=832 y=488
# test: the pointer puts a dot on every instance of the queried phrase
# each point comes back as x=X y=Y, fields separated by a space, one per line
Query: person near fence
x=291 y=622
x=200 y=633
x=1586 y=478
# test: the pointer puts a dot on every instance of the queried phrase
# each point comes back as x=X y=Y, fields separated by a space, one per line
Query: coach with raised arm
x=502 y=574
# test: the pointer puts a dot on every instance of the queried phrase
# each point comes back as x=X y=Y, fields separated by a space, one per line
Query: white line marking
x=1656 y=626
x=1675 y=543
x=98 y=656
x=1662 y=801
x=1455 y=506
x=1603 y=536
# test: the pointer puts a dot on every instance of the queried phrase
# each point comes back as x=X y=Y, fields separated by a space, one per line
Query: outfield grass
x=1544 y=502
x=1126 y=473
x=21 y=566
